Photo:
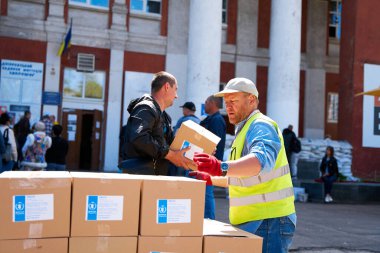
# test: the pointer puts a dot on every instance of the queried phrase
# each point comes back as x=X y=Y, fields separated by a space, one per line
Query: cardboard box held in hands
x=197 y=137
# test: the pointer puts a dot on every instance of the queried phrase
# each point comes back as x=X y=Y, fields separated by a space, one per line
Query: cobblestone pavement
x=330 y=228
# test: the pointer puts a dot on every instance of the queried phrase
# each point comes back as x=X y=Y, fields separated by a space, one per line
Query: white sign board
x=21 y=84
x=371 y=136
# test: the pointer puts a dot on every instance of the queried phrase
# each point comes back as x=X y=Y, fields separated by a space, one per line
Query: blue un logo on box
x=18 y=208
x=92 y=207
x=162 y=211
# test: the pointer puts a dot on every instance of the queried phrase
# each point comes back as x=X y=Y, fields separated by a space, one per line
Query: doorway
x=82 y=129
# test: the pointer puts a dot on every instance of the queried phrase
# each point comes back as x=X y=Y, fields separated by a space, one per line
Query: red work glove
x=208 y=163
x=201 y=176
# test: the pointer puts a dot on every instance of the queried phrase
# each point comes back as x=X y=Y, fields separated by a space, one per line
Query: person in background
x=2 y=151
x=188 y=110
x=56 y=154
x=21 y=131
x=292 y=147
x=330 y=172
x=215 y=123
x=257 y=174
x=9 y=138
x=35 y=147
x=48 y=124
x=53 y=120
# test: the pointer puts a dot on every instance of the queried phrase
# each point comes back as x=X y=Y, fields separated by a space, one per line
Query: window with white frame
x=101 y=4
x=332 y=107
x=335 y=18
x=83 y=85
x=224 y=11
x=146 y=6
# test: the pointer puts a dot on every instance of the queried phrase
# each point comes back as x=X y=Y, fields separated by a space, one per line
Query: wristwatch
x=224 y=166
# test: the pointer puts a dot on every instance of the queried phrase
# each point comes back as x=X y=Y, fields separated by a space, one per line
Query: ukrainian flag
x=66 y=43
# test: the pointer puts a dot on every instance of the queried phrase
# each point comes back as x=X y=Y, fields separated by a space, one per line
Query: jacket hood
x=134 y=102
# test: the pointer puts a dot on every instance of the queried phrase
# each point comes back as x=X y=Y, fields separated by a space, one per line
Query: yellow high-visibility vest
x=267 y=195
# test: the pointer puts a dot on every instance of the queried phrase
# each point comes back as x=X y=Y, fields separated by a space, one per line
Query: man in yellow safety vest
x=257 y=172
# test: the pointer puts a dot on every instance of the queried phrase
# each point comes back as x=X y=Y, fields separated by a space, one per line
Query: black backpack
x=296 y=145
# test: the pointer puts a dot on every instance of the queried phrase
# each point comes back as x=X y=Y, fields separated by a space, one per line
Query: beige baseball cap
x=239 y=84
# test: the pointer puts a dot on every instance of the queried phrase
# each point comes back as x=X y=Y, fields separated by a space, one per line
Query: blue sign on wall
x=51 y=98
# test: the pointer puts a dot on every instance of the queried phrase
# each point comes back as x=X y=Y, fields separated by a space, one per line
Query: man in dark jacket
x=146 y=138
x=56 y=154
x=292 y=147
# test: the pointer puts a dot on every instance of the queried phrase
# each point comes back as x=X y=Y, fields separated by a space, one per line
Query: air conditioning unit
x=86 y=62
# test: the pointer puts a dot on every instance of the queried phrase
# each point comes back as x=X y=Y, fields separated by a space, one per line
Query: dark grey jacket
x=147 y=134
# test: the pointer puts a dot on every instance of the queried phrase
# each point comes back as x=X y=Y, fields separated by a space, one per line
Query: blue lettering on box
x=19 y=208
x=92 y=207
x=162 y=211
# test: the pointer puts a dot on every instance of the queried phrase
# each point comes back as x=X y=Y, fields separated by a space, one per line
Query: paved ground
x=330 y=228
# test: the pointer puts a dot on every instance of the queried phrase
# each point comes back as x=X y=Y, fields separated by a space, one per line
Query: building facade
x=291 y=49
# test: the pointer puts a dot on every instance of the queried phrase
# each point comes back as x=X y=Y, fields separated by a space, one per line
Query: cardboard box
x=170 y=244
x=56 y=245
x=34 y=204
x=199 y=138
x=103 y=245
x=222 y=237
x=172 y=206
x=105 y=204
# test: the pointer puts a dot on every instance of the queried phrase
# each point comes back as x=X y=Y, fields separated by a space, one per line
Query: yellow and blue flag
x=66 y=43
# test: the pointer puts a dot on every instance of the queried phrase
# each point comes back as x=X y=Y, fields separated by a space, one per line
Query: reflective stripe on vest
x=261 y=178
x=260 y=198
x=267 y=195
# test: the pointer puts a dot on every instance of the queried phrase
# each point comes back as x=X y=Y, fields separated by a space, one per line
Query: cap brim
x=221 y=93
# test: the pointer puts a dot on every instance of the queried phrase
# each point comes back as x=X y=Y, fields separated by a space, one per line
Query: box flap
x=217 y=228
x=201 y=130
x=35 y=174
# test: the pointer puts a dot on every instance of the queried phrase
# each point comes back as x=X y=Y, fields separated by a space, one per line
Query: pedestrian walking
x=9 y=158
x=56 y=154
x=292 y=148
x=34 y=149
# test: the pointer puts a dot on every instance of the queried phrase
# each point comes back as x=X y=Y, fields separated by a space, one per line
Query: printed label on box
x=194 y=149
x=33 y=207
x=173 y=211
x=104 y=208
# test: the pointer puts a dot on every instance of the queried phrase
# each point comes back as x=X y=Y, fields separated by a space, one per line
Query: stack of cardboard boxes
x=78 y=212
x=35 y=211
x=61 y=212
x=104 y=213
x=171 y=217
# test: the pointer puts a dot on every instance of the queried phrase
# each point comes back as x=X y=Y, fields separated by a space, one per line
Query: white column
x=204 y=51
x=284 y=63
x=315 y=86
x=118 y=37
x=52 y=75
x=246 y=44
x=54 y=28
x=114 y=110
x=176 y=51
